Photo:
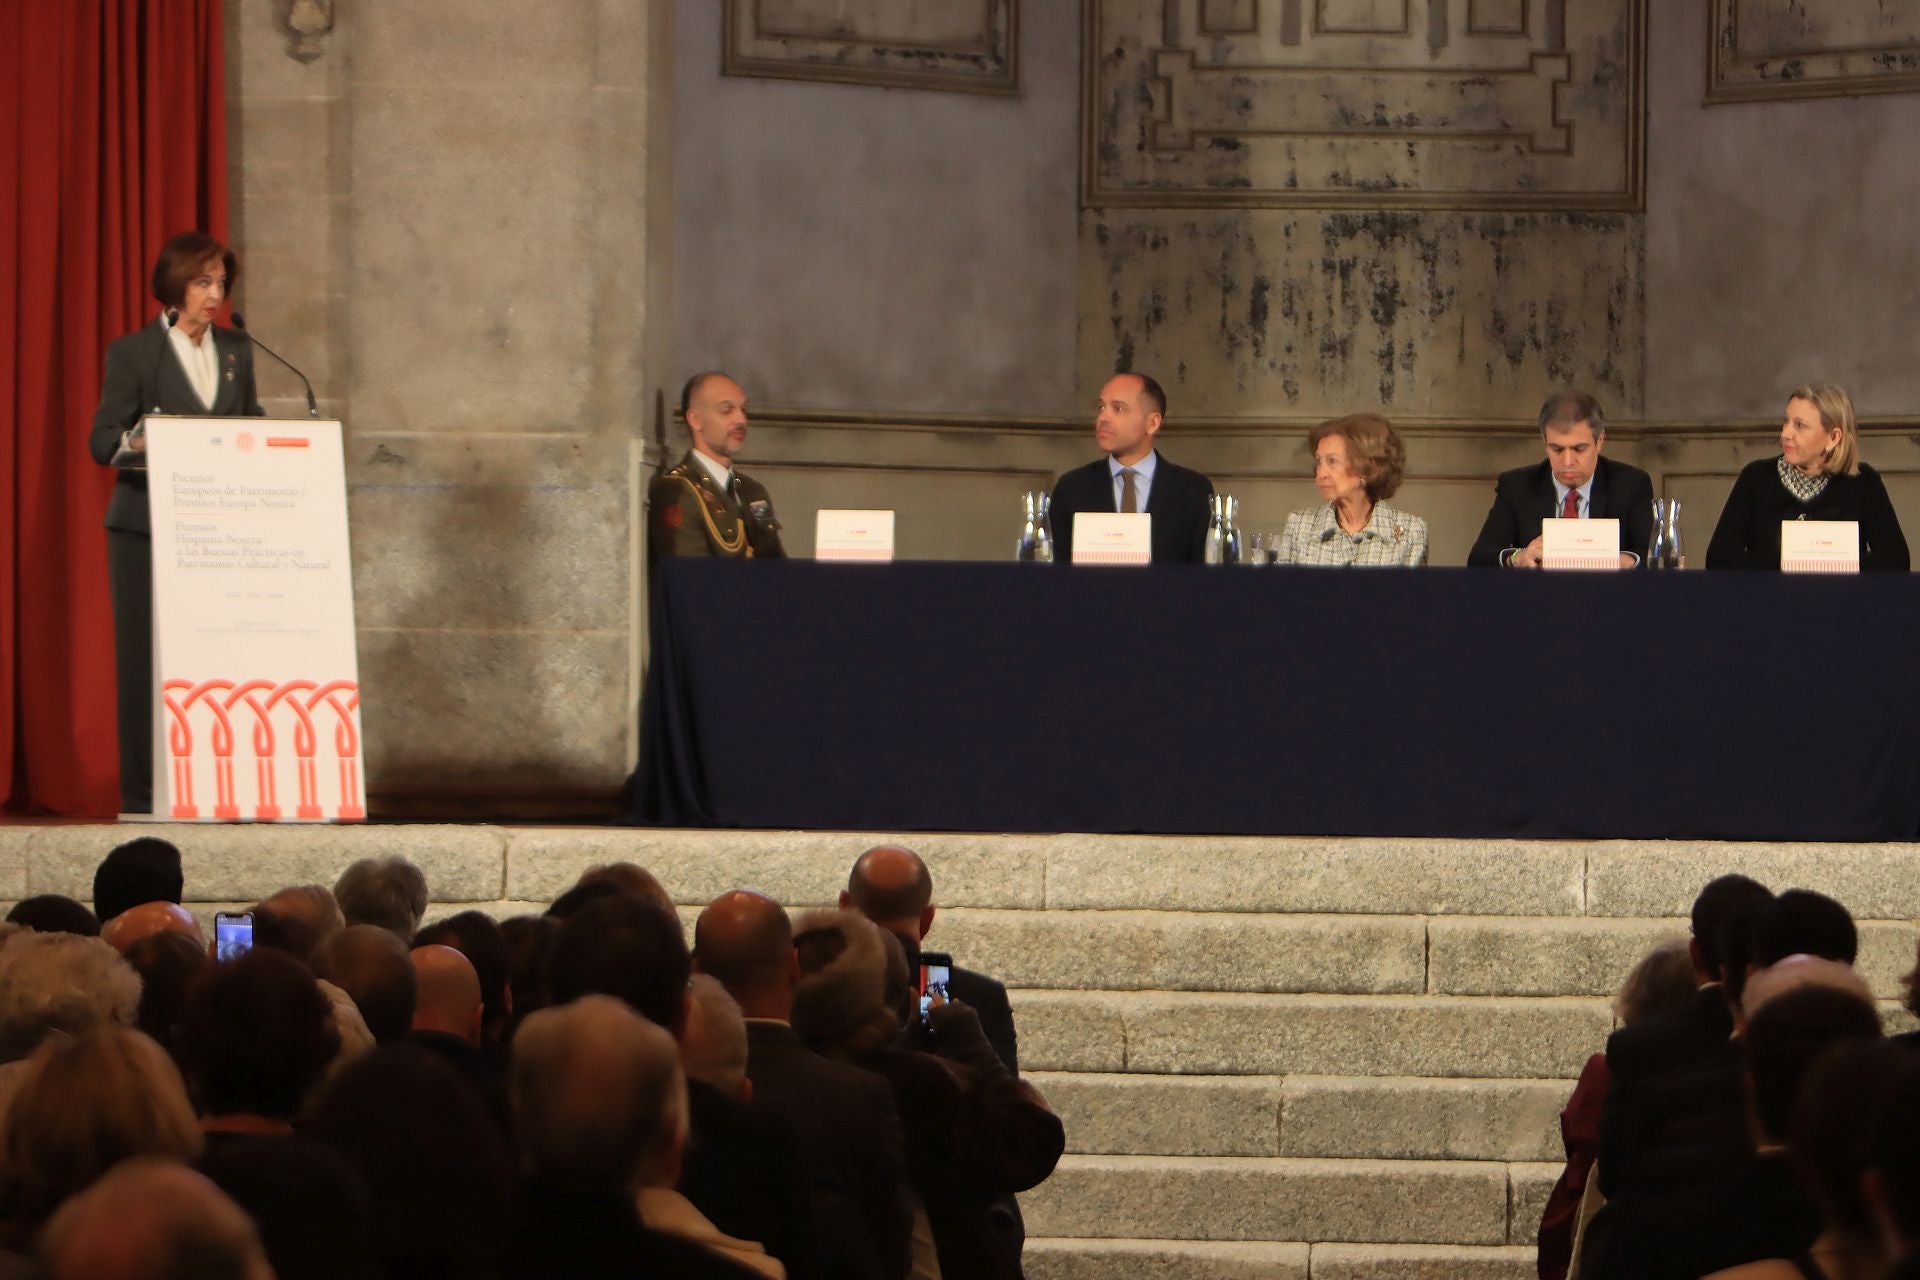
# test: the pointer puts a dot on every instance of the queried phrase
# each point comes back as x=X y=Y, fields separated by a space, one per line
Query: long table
x=1437 y=702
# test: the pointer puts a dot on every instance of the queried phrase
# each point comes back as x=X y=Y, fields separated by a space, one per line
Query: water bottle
x=1216 y=549
x=1664 y=551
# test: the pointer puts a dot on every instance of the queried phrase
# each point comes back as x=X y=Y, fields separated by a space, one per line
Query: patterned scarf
x=1803 y=487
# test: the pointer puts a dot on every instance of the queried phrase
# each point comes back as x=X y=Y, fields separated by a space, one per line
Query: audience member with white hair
x=152 y=1220
x=600 y=1111
x=713 y=1044
x=54 y=983
x=389 y=892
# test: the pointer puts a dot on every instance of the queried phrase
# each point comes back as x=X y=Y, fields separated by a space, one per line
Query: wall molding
x=826 y=44
x=1754 y=54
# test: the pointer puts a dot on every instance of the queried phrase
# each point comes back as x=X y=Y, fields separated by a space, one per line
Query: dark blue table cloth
x=1438 y=702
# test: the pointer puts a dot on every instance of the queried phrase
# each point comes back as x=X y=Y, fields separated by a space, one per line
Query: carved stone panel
x=1795 y=49
x=1437 y=104
x=968 y=45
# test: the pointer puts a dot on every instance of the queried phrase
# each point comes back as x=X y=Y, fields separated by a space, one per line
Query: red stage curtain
x=113 y=136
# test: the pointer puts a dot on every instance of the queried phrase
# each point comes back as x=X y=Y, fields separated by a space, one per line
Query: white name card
x=853 y=535
x=1820 y=546
x=1108 y=537
x=1580 y=544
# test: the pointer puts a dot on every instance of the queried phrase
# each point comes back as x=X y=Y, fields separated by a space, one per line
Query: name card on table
x=853 y=535
x=1108 y=537
x=1820 y=546
x=1579 y=544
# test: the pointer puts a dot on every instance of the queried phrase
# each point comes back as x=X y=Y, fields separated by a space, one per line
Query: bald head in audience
x=891 y=886
x=152 y=1220
x=599 y=1101
x=148 y=919
x=371 y=965
x=745 y=940
x=446 y=994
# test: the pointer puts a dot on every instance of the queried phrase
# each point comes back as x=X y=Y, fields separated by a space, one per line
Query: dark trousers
x=130 y=576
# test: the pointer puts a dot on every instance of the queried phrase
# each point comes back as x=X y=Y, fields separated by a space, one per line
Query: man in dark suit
x=703 y=505
x=1134 y=476
x=851 y=1140
x=1674 y=1123
x=892 y=887
x=1574 y=482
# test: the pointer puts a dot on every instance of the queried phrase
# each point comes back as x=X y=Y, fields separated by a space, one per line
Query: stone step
x=1387 y=1118
x=1660 y=877
x=1056 y=1259
x=1481 y=955
x=1248 y=1198
x=1205 y=1033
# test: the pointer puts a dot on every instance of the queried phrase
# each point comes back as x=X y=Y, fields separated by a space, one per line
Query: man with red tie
x=1574 y=483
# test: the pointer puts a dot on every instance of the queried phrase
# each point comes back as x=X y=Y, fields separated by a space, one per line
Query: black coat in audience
x=1759 y=1212
x=314 y=1213
x=476 y=1067
x=851 y=1144
x=1673 y=1132
x=971 y=1140
x=988 y=998
x=568 y=1235
x=742 y=1169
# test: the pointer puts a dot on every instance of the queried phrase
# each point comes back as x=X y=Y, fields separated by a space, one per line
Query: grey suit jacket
x=144 y=376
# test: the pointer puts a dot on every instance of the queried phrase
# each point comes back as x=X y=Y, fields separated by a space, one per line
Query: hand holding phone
x=232 y=934
x=936 y=971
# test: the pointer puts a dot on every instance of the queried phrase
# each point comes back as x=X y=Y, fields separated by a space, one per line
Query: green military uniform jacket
x=690 y=515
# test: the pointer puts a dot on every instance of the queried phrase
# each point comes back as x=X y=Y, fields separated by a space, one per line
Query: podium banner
x=256 y=676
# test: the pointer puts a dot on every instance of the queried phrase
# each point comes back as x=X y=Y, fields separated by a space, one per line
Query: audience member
x=389 y=892
x=256 y=1038
x=1891 y=1186
x=436 y=1167
x=742 y=1168
x=892 y=887
x=713 y=1043
x=588 y=1149
x=1674 y=1119
x=1836 y=1112
x=313 y=905
x=529 y=942
x=582 y=894
x=57 y=984
x=447 y=1019
x=84 y=1104
x=1760 y=1210
x=974 y=1133
x=371 y=964
x=475 y=935
x=313 y=1212
x=277 y=931
x=54 y=913
x=1802 y=923
x=629 y=878
x=167 y=964
x=144 y=869
x=147 y=919
x=850 y=1135
x=1660 y=983
x=152 y=1220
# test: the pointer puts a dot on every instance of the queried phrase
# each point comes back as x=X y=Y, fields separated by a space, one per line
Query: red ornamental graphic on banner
x=220 y=707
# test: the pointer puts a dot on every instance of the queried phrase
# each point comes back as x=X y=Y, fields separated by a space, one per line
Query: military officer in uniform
x=703 y=506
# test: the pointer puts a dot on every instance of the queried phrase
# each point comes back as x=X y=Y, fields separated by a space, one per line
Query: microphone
x=313 y=406
x=168 y=319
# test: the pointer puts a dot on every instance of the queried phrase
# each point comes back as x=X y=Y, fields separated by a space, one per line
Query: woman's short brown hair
x=1377 y=456
x=184 y=257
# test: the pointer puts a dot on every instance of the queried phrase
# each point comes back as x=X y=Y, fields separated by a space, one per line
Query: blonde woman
x=1358 y=462
x=1818 y=476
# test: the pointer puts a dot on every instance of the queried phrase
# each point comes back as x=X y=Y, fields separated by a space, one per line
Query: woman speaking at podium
x=180 y=363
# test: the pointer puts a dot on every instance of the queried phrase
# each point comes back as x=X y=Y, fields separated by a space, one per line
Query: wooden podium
x=255 y=673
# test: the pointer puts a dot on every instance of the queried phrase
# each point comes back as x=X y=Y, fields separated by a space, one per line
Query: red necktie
x=1570 y=509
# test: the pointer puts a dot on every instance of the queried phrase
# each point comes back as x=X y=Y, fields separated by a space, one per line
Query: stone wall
x=445 y=216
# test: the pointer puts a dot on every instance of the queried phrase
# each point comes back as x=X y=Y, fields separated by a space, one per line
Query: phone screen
x=935 y=972
x=232 y=935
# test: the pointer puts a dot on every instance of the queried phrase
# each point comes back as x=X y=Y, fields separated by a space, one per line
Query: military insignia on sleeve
x=760 y=510
x=673 y=516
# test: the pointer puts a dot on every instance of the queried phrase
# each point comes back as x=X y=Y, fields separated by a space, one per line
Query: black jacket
x=1177 y=502
x=1748 y=534
x=144 y=376
x=1523 y=497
